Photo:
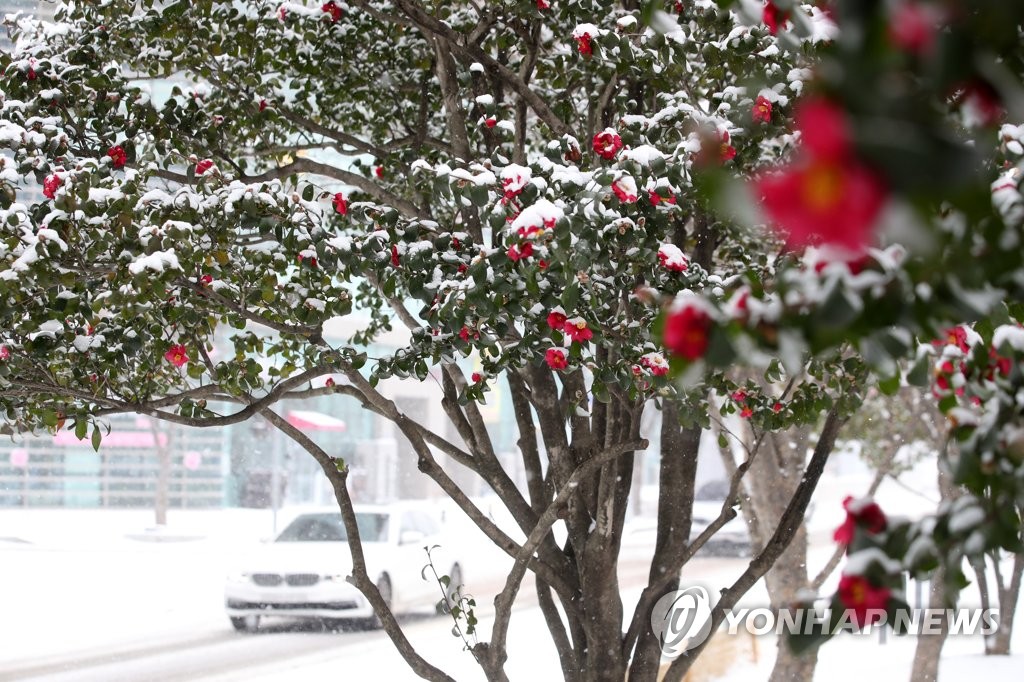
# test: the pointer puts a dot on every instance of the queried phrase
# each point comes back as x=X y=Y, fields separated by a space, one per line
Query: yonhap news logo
x=682 y=620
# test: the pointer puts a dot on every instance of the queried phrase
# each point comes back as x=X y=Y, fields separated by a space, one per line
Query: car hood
x=322 y=558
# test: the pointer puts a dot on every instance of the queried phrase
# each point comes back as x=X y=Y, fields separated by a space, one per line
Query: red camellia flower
x=117 y=155
x=5 y=353
x=476 y=377
x=329 y=383
x=379 y=172
x=625 y=189
x=556 y=319
x=726 y=151
x=206 y=280
x=263 y=104
x=867 y=515
x=777 y=407
x=203 y=166
x=543 y=4
x=340 y=205
x=774 y=18
x=607 y=144
x=746 y=412
x=177 y=355
x=656 y=363
x=524 y=250
x=912 y=27
x=654 y=196
x=955 y=336
x=997 y=363
x=858 y=594
x=490 y=121
x=686 y=332
x=577 y=330
x=981 y=103
x=762 y=111
x=827 y=193
x=824 y=129
x=672 y=258
x=394 y=255
x=555 y=357
x=50 y=185
x=464 y=333
x=583 y=43
x=333 y=9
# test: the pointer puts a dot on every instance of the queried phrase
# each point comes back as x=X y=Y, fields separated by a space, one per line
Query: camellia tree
x=616 y=206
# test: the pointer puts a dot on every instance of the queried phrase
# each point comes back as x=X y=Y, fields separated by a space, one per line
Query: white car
x=302 y=572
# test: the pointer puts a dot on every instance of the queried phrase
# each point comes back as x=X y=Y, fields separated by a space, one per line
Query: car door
x=411 y=560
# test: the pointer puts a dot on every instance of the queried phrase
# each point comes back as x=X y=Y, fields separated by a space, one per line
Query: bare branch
x=360 y=578
x=431 y=24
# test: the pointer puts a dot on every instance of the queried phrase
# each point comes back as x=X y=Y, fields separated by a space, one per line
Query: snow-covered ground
x=95 y=595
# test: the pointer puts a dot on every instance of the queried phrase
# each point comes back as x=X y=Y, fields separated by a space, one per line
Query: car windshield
x=328 y=527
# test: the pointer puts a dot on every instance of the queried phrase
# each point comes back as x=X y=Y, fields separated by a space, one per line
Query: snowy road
x=165 y=643
x=85 y=607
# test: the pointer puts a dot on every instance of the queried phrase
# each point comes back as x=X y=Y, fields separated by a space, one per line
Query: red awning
x=307 y=420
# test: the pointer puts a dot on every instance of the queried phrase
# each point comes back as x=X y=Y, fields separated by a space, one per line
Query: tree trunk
x=773 y=480
x=998 y=644
x=929 y=646
x=161 y=497
x=677 y=474
x=603 y=660
x=785 y=580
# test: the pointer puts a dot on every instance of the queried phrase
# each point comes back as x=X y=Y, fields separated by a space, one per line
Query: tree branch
x=504 y=600
x=431 y=24
x=360 y=578
x=784 y=532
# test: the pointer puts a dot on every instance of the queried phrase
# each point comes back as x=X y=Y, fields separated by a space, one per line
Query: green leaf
x=918 y=374
x=81 y=429
x=800 y=643
x=839 y=308
x=97 y=438
x=890 y=386
x=570 y=297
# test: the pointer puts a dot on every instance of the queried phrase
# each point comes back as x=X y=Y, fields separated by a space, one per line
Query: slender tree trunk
x=677 y=473
x=998 y=644
x=929 y=646
x=773 y=480
x=161 y=497
x=785 y=580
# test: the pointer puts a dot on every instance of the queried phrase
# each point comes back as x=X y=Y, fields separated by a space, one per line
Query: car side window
x=408 y=523
x=427 y=524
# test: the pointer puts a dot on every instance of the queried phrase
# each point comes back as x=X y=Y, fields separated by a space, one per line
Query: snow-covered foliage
x=608 y=203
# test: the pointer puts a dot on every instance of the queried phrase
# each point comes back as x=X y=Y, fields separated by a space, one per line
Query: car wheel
x=245 y=623
x=451 y=593
x=384 y=587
